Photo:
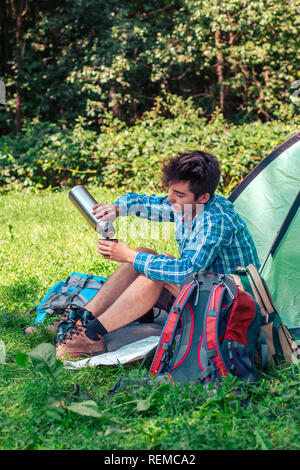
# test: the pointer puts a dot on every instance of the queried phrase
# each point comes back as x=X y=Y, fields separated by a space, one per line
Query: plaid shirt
x=217 y=239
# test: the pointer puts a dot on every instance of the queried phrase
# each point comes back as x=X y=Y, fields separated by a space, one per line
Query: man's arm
x=162 y=267
x=198 y=254
x=155 y=208
x=116 y=251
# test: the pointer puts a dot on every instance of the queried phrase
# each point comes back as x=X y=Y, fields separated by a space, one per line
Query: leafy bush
x=44 y=156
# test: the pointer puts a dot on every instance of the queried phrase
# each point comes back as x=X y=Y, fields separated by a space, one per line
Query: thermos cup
x=85 y=202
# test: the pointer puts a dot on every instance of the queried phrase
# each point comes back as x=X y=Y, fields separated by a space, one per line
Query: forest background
x=105 y=91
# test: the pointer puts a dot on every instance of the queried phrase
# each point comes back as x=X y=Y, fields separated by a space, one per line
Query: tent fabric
x=268 y=200
x=282 y=272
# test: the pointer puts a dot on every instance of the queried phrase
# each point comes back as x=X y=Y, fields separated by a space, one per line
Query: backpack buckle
x=240 y=269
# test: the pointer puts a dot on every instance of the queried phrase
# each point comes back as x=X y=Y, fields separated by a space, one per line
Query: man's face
x=183 y=200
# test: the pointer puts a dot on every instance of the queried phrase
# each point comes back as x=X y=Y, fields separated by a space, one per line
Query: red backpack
x=213 y=329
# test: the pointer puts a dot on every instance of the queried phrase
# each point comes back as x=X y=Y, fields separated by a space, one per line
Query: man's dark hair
x=199 y=168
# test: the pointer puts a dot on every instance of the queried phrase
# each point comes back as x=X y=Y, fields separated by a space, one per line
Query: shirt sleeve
x=198 y=254
x=154 y=208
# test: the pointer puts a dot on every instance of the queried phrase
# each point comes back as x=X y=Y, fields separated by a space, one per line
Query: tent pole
x=286 y=223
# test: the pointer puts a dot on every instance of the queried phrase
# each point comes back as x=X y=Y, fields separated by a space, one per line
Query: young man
x=209 y=233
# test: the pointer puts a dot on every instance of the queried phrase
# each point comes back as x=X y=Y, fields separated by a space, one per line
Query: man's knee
x=174 y=289
x=164 y=284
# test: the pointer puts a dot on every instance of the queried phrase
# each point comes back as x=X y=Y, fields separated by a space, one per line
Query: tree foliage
x=103 y=60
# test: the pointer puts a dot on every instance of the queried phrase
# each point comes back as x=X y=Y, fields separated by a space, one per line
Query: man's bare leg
x=128 y=296
x=112 y=289
x=134 y=302
x=115 y=285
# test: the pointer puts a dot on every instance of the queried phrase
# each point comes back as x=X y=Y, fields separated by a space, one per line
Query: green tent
x=268 y=200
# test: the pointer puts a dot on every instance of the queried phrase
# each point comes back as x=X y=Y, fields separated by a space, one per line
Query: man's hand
x=116 y=251
x=106 y=211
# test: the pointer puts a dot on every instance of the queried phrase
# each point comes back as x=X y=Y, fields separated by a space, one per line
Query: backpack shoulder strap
x=255 y=285
x=211 y=328
x=255 y=278
x=170 y=327
x=238 y=281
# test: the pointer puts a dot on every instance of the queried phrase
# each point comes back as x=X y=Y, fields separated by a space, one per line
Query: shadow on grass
x=20 y=291
x=13 y=320
x=18 y=302
x=13 y=326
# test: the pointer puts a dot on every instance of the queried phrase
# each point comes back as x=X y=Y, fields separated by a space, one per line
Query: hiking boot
x=80 y=315
x=76 y=344
x=52 y=327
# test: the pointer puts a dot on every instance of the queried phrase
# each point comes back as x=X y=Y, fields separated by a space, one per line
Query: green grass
x=43 y=239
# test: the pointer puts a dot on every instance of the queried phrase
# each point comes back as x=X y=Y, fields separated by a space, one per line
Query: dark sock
x=95 y=328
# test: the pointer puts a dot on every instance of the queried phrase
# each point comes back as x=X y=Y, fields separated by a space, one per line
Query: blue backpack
x=78 y=289
x=75 y=291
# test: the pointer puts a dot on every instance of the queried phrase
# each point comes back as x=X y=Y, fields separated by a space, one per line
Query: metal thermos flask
x=85 y=202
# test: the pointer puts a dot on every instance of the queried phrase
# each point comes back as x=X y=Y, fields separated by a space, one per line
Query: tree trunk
x=19 y=9
x=220 y=71
x=113 y=102
x=4 y=40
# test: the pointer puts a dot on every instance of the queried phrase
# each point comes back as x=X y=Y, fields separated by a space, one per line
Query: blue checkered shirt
x=217 y=239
